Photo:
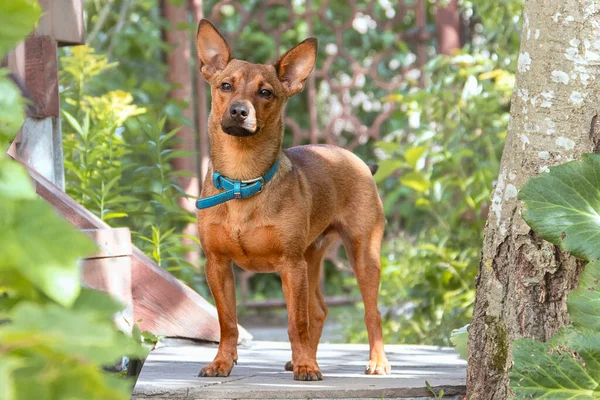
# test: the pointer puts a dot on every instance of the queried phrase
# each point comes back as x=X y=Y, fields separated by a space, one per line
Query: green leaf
x=386 y=168
x=414 y=154
x=563 y=206
x=584 y=303
x=42 y=247
x=416 y=181
x=17 y=19
x=459 y=338
x=566 y=367
x=112 y=215
x=73 y=122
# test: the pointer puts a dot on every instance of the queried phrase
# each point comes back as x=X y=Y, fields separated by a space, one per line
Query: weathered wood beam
x=62 y=20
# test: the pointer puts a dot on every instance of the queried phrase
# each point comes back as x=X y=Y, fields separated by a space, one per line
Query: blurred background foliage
x=438 y=154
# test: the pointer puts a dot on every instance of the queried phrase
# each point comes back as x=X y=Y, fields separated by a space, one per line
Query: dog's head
x=247 y=97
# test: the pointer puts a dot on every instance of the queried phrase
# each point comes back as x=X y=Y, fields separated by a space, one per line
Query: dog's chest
x=253 y=244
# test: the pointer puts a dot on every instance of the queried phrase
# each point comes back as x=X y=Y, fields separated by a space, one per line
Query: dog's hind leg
x=363 y=249
x=317 y=309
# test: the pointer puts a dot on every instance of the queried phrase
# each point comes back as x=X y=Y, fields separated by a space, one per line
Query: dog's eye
x=226 y=87
x=265 y=93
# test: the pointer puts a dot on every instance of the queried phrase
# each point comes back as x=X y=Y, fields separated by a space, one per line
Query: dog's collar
x=236 y=189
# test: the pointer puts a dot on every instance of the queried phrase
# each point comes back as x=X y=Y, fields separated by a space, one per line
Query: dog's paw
x=289 y=366
x=219 y=367
x=379 y=366
x=306 y=371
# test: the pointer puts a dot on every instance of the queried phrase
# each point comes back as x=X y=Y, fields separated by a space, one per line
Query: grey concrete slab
x=171 y=372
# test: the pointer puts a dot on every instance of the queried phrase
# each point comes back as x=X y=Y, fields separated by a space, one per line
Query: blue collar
x=236 y=189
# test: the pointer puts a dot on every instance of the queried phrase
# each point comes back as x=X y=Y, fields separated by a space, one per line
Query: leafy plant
x=437 y=167
x=52 y=332
x=563 y=207
x=119 y=167
x=436 y=174
x=439 y=395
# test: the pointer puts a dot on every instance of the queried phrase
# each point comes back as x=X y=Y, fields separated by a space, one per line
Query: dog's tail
x=373 y=167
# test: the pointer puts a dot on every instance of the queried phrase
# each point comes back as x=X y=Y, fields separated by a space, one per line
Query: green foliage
x=560 y=205
x=17 y=19
x=119 y=167
x=563 y=207
x=436 y=173
x=439 y=395
x=53 y=339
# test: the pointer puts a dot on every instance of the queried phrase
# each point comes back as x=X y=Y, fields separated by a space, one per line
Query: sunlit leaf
x=563 y=206
x=414 y=154
x=416 y=181
x=386 y=168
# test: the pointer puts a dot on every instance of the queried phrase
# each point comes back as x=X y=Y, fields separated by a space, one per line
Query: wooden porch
x=170 y=372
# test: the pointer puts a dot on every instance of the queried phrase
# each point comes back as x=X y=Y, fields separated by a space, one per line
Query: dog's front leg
x=294 y=279
x=219 y=274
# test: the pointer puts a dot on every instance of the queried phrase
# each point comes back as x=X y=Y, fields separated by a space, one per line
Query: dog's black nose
x=238 y=112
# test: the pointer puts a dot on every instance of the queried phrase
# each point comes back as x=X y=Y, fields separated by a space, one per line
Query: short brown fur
x=318 y=195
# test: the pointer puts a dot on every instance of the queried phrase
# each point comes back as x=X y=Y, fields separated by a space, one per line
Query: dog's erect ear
x=294 y=66
x=213 y=50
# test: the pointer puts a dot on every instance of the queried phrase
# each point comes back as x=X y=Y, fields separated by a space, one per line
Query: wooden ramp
x=171 y=372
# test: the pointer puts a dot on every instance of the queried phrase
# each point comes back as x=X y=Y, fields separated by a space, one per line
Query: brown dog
x=318 y=194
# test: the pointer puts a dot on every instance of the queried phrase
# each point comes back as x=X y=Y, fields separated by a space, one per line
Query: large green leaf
x=43 y=247
x=584 y=303
x=563 y=206
x=566 y=367
x=17 y=19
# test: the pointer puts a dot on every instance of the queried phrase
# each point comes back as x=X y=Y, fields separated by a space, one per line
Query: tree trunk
x=523 y=281
x=201 y=101
x=180 y=76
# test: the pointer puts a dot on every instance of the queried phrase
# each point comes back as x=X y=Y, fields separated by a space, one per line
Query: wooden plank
x=165 y=304
x=63 y=20
x=41 y=75
x=113 y=242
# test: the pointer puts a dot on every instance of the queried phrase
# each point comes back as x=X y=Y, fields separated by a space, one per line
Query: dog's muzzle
x=240 y=119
